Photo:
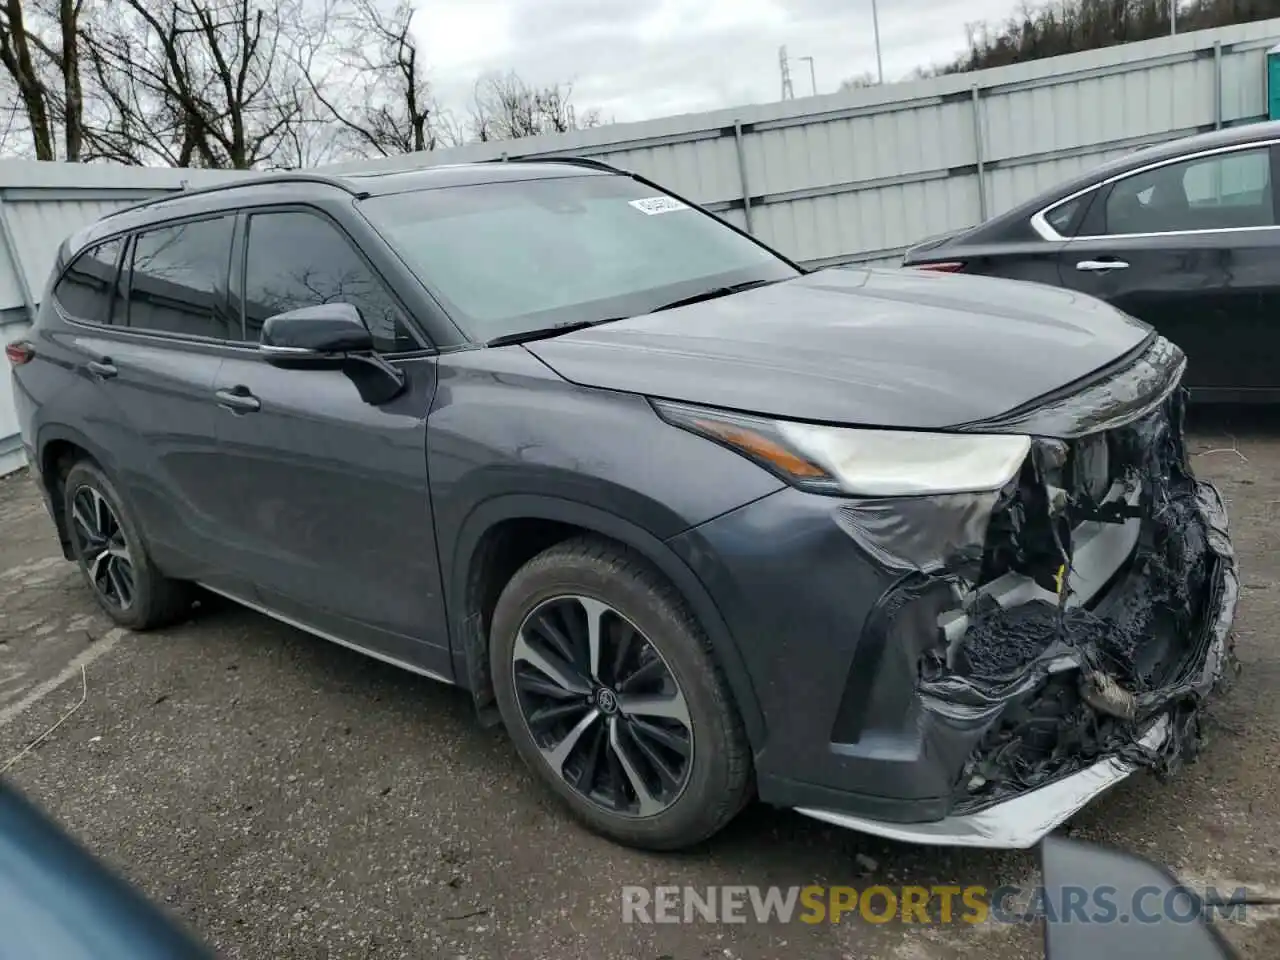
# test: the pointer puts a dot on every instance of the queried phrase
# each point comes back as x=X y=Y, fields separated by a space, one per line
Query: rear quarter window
x=86 y=290
x=1065 y=216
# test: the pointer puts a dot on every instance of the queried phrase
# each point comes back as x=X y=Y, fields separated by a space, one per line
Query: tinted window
x=522 y=255
x=300 y=260
x=1063 y=217
x=86 y=290
x=1226 y=191
x=179 y=280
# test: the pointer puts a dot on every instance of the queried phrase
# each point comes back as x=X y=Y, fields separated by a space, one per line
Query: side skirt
x=258 y=608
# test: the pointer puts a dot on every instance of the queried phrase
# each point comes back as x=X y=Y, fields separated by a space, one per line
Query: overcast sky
x=636 y=59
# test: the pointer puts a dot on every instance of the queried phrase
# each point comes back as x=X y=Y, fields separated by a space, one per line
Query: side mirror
x=1112 y=904
x=323 y=332
x=331 y=336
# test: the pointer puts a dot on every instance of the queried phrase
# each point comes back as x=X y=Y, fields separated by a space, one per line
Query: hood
x=893 y=348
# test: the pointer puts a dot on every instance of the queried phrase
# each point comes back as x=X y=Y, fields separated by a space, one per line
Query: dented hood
x=897 y=348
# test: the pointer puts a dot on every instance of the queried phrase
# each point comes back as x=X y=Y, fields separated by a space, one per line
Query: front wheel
x=607 y=686
x=107 y=546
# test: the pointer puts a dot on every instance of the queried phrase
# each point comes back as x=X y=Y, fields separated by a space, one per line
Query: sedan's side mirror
x=327 y=331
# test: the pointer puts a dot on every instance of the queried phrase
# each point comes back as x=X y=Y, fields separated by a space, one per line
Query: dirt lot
x=290 y=799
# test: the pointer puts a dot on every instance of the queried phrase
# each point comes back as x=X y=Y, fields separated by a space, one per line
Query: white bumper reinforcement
x=1017 y=823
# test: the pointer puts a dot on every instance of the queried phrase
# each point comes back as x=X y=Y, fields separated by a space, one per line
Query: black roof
x=1169 y=149
x=357 y=184
x=1134 y=160
x=376 y=183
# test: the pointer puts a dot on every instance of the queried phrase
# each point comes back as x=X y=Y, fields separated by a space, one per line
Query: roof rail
x=589 y=162
x=284 y=177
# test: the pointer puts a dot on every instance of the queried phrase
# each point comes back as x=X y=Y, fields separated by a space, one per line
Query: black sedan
x=1184 y=235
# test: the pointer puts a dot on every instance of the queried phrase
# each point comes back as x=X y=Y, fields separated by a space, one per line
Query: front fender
x=471 y=653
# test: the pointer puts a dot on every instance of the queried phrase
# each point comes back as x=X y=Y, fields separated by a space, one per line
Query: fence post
x=1217 y=84
x=15 y=261
x=977 y=149
x=742 y=174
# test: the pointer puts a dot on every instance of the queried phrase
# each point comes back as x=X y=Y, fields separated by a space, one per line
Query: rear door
x=328 y=517
x=150 y=361
x=1193 y=248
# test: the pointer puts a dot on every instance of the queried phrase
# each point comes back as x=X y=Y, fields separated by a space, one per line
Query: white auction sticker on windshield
x=652 y=205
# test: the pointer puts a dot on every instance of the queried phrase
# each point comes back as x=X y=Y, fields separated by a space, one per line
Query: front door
x=329 y=513
x=1193 y=248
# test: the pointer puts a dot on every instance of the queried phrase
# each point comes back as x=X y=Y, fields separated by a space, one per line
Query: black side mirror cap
x=312 y=333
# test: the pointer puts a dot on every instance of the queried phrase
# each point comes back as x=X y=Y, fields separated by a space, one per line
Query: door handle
x=238 y=400
x=103 y=369
x=1101 y=266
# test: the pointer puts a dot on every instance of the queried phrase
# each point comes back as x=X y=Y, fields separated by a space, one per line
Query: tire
x=153 y=600
x=656 y=666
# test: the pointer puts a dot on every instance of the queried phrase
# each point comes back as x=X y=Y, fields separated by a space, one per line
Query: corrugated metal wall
x=849 y=177
x=859 y=175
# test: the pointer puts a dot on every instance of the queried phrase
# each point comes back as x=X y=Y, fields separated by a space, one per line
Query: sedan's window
x=522 y=255
x=1226 y=191
x=1063 y=217
x=85 y=292
x=297 y=260
x=178 y=280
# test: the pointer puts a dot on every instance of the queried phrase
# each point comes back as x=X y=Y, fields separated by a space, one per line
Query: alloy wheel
x=104 y=550
x=603 y=706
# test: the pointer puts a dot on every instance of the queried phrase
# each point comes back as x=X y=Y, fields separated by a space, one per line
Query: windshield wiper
x=542 y=333
x=713 y=294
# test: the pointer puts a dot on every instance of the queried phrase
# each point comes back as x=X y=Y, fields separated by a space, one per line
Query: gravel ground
x=288 y=798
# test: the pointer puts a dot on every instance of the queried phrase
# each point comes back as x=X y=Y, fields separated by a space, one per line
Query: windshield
x=525 y=255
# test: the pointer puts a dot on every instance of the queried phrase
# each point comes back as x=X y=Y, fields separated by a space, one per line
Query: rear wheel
x=112 y=557
x=608 y=689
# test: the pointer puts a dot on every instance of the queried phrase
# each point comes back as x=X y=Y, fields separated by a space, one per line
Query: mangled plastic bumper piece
x=1082 y=613
x=1018 y=823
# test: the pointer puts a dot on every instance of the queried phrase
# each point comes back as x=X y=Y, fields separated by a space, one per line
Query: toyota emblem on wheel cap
x=606 y=700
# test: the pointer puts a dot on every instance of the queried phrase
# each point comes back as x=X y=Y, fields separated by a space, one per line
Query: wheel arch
x=544 y=521
x=56 y=448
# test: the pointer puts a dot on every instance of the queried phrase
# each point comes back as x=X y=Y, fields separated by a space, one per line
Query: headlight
x=872 y=463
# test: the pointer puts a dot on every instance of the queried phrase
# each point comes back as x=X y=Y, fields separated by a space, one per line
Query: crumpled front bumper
x=973 y=669
x=1059 y=683
x=1017 y=823
x=1156 y=728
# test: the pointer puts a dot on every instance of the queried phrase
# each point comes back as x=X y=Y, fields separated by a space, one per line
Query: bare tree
x=40 y=52
x=505 y=107
x=371 y=79
x=862 y=80
x=193 y=83
x=241 y=84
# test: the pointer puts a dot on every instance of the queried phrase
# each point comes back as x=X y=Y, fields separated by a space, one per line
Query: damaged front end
x=1082 y=613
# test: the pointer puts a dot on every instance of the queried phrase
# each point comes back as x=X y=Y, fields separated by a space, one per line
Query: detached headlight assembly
x=852 y=460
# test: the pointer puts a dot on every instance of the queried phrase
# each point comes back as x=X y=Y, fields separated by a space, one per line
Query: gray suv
x=915 y=554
